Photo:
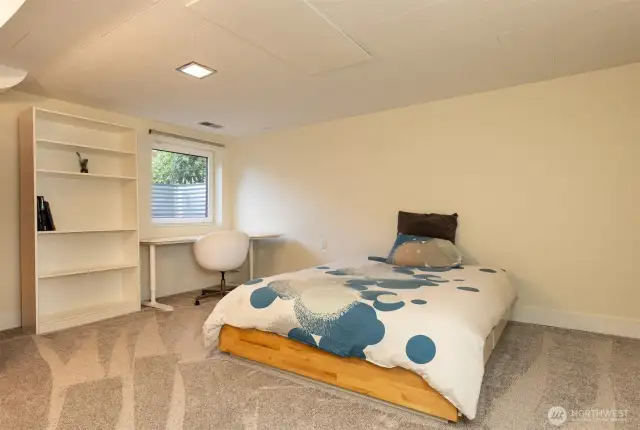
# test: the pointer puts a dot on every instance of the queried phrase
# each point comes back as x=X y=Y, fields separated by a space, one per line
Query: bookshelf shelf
x=88 y=269
x=78 y=175
x=80 y=121
x=61 y=320
x=81 y=311
x=95 y=230
x=82 y=148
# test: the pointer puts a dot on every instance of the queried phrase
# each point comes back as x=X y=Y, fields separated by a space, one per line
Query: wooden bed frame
x=395 y=385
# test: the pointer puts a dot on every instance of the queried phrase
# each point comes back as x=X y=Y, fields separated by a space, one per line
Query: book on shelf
x=40 y=219
x=49 y=217
x=45 y=218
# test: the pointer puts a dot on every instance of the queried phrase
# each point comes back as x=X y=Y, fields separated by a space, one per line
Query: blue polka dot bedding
x=431 y=321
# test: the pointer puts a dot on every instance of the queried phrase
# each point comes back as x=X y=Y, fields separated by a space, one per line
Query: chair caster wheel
x=197 y=302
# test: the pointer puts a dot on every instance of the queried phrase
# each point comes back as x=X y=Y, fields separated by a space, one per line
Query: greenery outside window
x=182 y=184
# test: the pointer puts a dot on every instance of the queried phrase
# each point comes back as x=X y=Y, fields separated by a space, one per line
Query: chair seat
x=223 y=251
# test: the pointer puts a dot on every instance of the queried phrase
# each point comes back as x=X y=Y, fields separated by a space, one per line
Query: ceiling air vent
x=211 y=124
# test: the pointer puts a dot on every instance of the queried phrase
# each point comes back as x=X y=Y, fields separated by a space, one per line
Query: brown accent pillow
x=428 y=225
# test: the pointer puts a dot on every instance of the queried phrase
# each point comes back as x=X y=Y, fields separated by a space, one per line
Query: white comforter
x=429 y=321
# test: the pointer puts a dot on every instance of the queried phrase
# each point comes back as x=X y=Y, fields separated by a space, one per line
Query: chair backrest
x=222 y=251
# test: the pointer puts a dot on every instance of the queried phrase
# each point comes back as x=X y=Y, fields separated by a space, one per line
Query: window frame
x=195 y=149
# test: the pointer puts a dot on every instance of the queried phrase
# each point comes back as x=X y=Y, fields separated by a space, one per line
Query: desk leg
x=152 y=283
x=251 y=259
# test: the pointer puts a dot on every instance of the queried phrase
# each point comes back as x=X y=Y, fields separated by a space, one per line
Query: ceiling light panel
x=196 y=70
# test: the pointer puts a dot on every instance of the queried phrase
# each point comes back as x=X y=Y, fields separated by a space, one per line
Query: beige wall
x=177 y=271
x=544 y=176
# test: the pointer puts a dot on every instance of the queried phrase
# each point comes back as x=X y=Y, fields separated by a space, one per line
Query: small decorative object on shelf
x=83 y=163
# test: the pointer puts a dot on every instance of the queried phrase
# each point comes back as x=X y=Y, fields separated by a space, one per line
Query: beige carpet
x=149 y=371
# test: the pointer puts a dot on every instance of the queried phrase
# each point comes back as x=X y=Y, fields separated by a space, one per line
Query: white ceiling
x=290 y=62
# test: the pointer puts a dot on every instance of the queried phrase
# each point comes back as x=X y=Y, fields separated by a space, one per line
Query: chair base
x=206 y=293
x=224 y=288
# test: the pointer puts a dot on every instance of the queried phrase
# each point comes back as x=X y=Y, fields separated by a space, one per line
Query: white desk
x=152 y=243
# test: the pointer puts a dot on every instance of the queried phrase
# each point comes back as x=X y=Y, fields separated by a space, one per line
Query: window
x=182 y=184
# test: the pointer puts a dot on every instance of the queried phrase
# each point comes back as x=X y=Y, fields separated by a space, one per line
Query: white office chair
x=221 y=251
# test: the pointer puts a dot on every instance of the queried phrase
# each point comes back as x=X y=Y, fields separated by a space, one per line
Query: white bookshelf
x=88 y=268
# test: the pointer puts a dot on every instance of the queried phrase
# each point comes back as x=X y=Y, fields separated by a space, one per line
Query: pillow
x=416 y=251
x=428 y=225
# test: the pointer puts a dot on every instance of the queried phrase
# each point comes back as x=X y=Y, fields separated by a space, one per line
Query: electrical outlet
x=323 y=244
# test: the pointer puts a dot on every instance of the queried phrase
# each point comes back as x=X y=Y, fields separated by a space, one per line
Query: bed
x=414 y=337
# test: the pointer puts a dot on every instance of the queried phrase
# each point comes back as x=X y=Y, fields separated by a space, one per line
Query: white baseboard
x=627 y=327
